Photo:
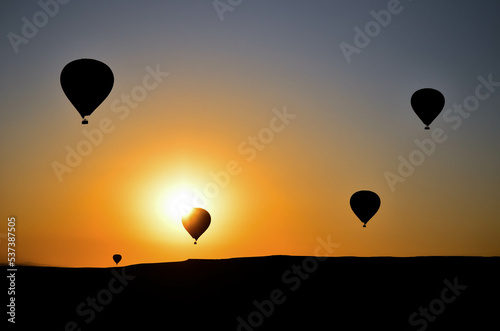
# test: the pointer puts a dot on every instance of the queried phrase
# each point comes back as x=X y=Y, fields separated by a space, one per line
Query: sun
x=178 y=201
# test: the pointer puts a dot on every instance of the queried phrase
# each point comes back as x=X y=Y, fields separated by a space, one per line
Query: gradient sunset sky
x=227 y=79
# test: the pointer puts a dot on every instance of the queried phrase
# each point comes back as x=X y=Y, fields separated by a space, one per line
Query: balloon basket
x=85 y=121
x=195 y=242
x=364 y=225
x=427 y=128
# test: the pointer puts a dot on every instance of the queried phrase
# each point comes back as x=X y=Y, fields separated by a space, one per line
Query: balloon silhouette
x=365 y=204
x=87 y=84
x=427 y=104
x=117 y=258
x=196 y=222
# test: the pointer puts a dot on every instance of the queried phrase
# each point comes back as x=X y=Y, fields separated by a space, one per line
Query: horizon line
x=29 y=264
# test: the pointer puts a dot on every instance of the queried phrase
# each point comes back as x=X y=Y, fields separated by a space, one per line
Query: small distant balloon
x=86 y=83
x=117 y=258
x=365 y=205
x=196 y=222
x=427 y=104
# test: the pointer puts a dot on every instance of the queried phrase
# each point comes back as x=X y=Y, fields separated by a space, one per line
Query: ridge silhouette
x=341 y=293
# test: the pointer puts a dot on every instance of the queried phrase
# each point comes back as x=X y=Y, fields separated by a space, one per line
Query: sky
x=269 y=114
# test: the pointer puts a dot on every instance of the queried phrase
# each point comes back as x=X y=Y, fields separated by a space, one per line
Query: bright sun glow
x=178 y=201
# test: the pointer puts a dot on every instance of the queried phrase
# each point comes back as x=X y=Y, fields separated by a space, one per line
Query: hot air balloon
x=117 y=258
x=365 y=204
x=196 y=222
x=427 y=104
x=87 y=84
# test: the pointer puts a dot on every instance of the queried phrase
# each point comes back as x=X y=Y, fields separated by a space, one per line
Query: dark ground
x=342 y=293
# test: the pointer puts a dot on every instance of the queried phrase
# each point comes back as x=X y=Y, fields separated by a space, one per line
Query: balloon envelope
x=117 y=258
x=196 y=222
x=86 y=83
x=365 y=204
x=427 y=104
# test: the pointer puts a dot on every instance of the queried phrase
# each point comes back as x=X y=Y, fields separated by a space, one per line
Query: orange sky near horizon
x=119 y=199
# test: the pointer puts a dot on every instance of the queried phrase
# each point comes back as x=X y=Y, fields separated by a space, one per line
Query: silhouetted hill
x=341 y=293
